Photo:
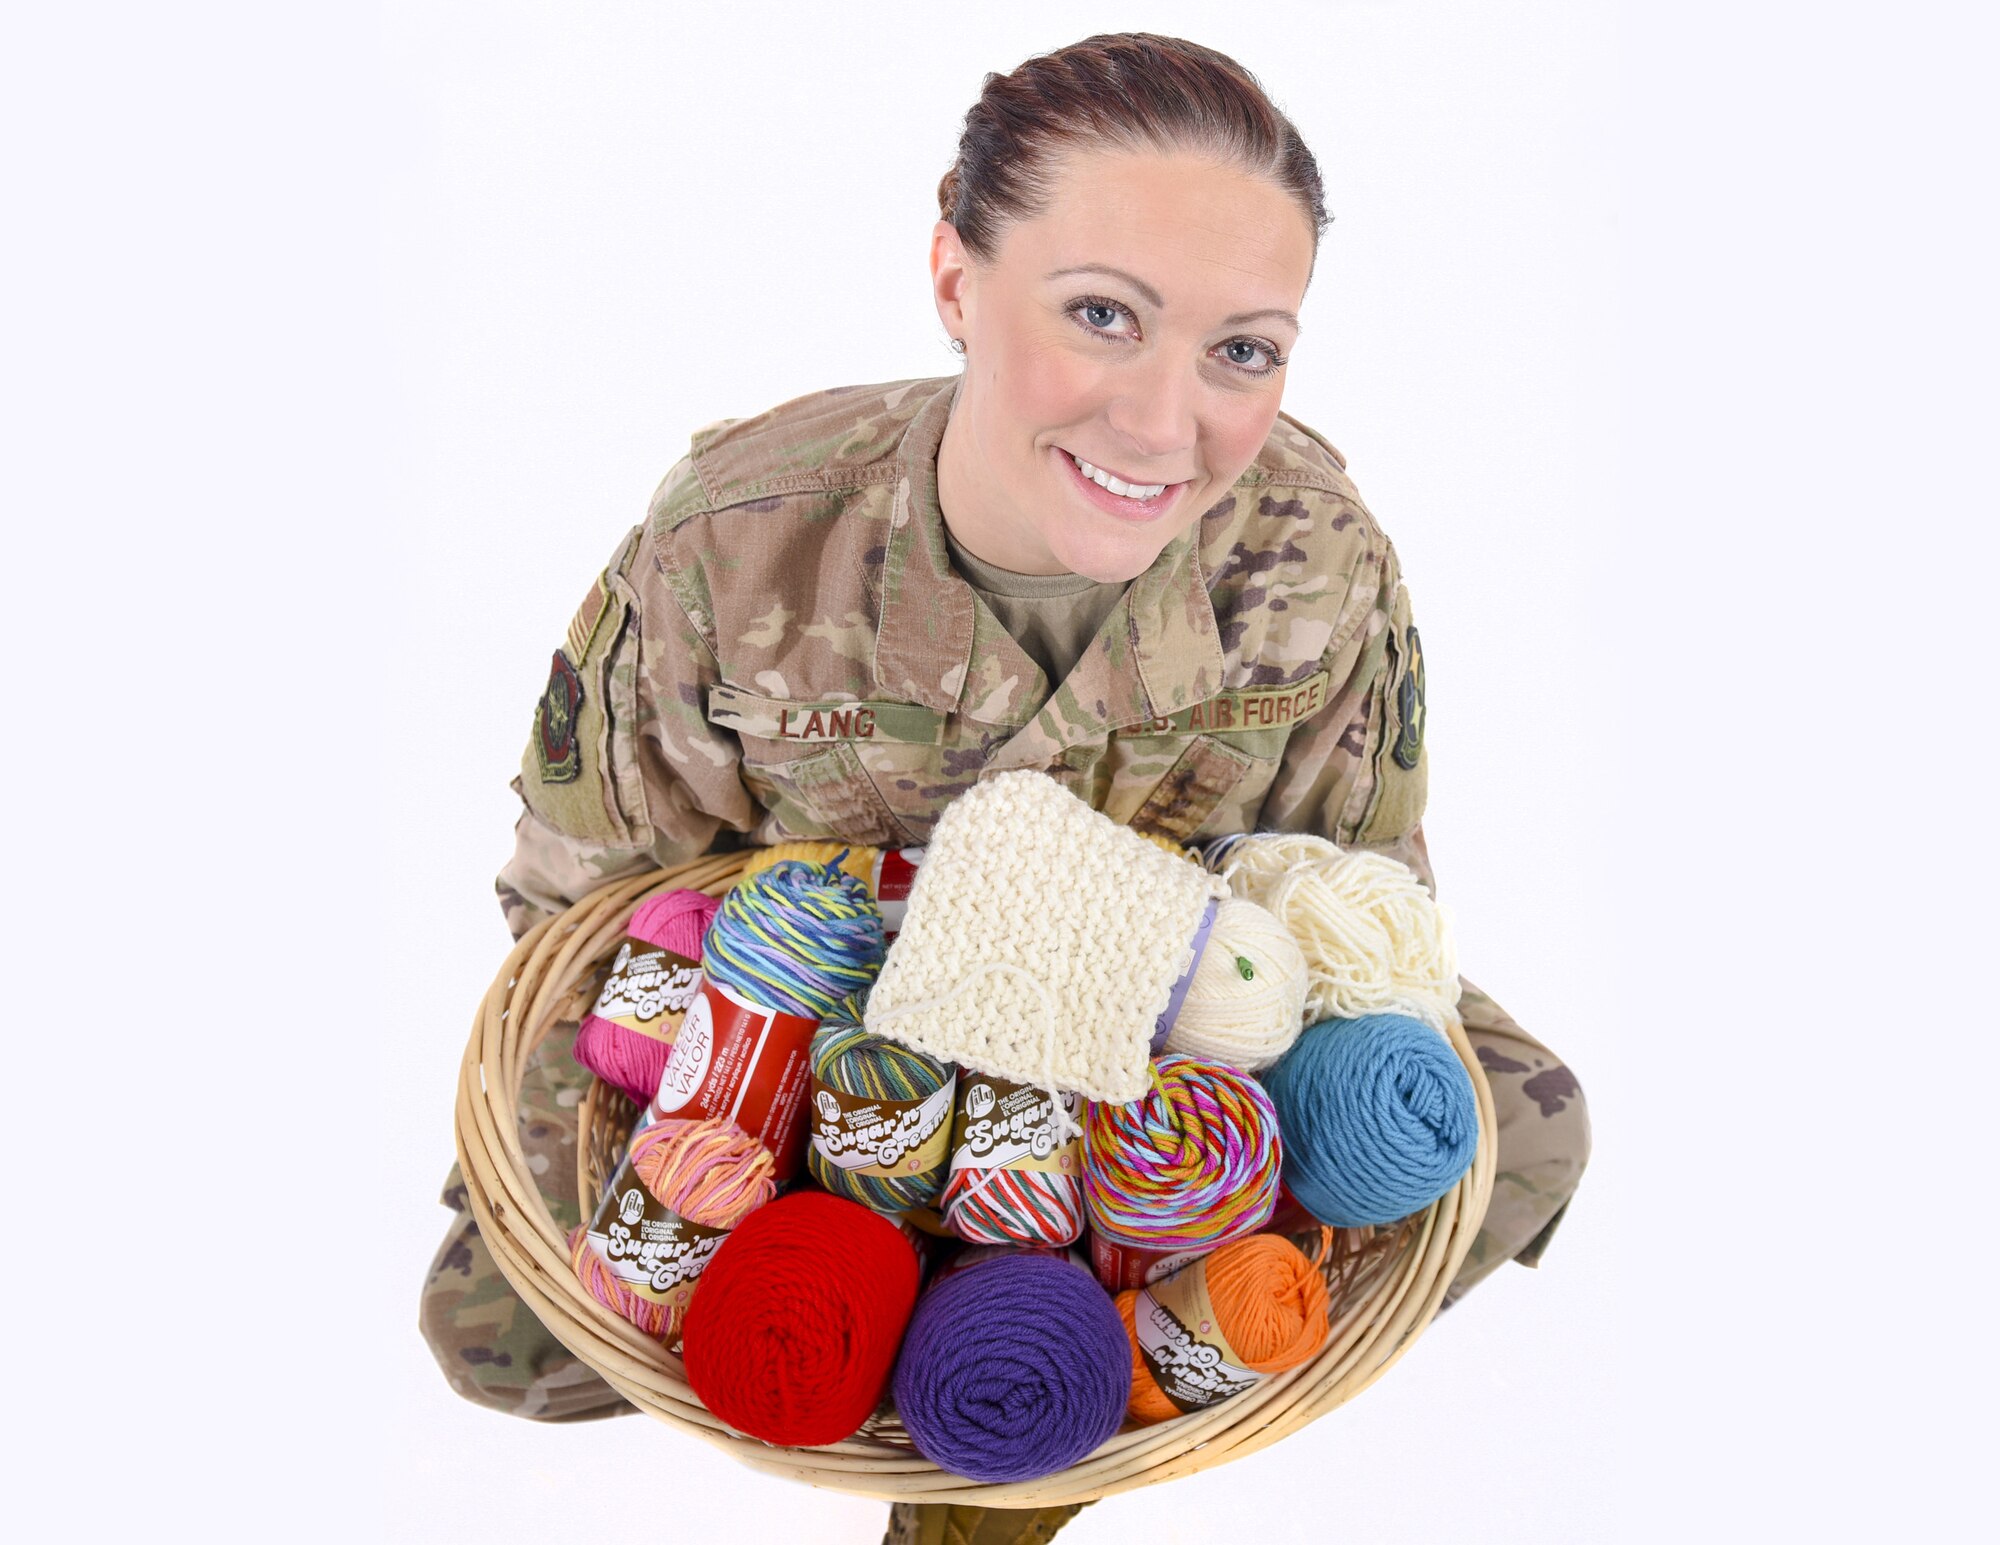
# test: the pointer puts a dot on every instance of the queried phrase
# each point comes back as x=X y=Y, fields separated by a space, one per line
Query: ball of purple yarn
x=1013 y=1369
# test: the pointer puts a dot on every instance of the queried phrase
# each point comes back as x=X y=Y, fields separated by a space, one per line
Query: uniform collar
x=1158 y=652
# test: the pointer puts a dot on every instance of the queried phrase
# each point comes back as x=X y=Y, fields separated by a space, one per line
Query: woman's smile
x=1138 y=511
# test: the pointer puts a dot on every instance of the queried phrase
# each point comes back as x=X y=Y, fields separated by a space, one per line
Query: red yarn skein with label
x=795 y=1325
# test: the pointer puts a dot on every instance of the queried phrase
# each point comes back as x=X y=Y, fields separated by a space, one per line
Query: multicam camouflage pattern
x=782 y=651
x=923 y=1523
x=491 y=1348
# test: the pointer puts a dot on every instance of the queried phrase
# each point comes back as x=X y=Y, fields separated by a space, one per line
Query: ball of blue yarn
x=797 y=937
x=1377 y=1116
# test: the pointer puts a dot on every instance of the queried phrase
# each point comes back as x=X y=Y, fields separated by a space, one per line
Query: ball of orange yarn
x=1271 y=1305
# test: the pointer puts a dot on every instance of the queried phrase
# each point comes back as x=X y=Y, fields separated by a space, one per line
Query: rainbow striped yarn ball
x=1191 y=1166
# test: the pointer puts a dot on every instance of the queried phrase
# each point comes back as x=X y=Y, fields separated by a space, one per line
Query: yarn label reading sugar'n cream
x=647 y=984
x=746 y=1063
x=890 y=1138
x=1004 y=1125
x=1182 y=1342
x=648 y=1246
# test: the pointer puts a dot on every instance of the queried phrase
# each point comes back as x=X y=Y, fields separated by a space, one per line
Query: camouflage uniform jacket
x=782 y=651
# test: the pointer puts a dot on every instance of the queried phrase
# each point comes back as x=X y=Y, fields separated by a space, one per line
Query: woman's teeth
x=1117 y=485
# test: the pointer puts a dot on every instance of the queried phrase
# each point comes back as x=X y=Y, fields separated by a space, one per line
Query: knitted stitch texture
x=1042 y=941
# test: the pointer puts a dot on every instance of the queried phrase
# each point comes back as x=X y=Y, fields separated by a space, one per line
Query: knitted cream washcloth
x=1042 y=941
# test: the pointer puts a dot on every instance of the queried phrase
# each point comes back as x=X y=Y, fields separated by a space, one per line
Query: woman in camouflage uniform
x=1101 y=551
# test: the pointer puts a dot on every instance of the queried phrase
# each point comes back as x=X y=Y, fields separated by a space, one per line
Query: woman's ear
x=951 y=279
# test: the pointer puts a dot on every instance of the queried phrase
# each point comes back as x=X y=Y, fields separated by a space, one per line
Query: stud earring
x=958 y=346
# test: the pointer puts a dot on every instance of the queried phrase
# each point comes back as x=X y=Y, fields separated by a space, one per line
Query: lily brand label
x=648 y=1246
x=1182 y=1341
x=649 y=990
x=866 y=1136
x=1004 y=1125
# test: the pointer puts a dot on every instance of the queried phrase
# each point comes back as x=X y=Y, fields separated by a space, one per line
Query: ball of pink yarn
x=676 y=921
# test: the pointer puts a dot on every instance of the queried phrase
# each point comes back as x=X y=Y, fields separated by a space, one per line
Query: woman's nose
x=1155 y=416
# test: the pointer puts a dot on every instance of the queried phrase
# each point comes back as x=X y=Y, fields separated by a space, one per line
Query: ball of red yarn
x=677 y=921
x=795 y=1325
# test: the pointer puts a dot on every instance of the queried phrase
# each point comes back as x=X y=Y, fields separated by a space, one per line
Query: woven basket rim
x=551 y=963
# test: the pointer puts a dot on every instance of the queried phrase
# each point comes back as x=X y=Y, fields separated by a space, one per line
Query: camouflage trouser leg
x=491 y=1347
x=1544 y=1138
x=919 y=1523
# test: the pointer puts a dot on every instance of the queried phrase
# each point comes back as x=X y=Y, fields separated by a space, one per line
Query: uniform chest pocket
x=821 y=793
x=1192 y=785
x=804 y=763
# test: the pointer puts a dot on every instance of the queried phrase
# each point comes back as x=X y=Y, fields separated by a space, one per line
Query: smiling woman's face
x=1137 y=325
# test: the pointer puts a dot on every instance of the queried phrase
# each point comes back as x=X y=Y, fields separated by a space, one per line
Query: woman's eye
x=1246 y=360
x=1099 y=316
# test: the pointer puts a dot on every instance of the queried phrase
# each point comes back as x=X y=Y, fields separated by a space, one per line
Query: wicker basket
x=1387 y=1284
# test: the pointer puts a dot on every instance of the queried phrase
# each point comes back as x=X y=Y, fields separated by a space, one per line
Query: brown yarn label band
x=1181 y=1340
x=891 y=1138
x=999 y=1124
x=649 y=990
x=648 y=1246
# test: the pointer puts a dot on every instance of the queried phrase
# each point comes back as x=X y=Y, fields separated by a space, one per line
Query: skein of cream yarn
x=1246 y=1004
x=1373 y=938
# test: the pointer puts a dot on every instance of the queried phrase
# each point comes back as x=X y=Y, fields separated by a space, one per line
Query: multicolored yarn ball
x=622 y=1057
x=1007 y=1205
x=1379 y=1115
x=848 y=1059
x=707 y=1171
x=1013 y=1368
x=1191 y=1166
x=854 y=858
x=1270 y=1303
x=794 y=1326
x=796 y=938
x=1246 y=1004
x=1374 y=940
x=1013 y=1207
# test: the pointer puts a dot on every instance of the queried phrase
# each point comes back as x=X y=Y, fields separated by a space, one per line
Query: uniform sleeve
x=622 y=771
x=1358 y=773
x=1358 y=770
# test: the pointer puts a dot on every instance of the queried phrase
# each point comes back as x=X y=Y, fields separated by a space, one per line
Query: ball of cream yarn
x=1246 y=1004
x=1373 y=938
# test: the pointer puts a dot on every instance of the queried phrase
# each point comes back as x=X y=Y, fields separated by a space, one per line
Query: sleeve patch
x=1410 y=705
x=556 y=750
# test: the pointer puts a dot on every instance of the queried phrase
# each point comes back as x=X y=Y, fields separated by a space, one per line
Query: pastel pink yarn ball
x=677 y=921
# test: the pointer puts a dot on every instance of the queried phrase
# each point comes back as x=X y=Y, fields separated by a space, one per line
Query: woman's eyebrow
x=1152 y=296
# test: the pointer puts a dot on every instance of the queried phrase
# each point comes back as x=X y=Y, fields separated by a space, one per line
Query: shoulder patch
x=555 y=723
x=1410 y=703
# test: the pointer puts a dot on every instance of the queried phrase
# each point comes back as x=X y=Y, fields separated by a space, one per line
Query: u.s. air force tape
x=1254 y=708
x=769 y=718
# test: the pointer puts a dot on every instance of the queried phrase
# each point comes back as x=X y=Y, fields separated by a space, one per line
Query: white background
x=341 y=350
